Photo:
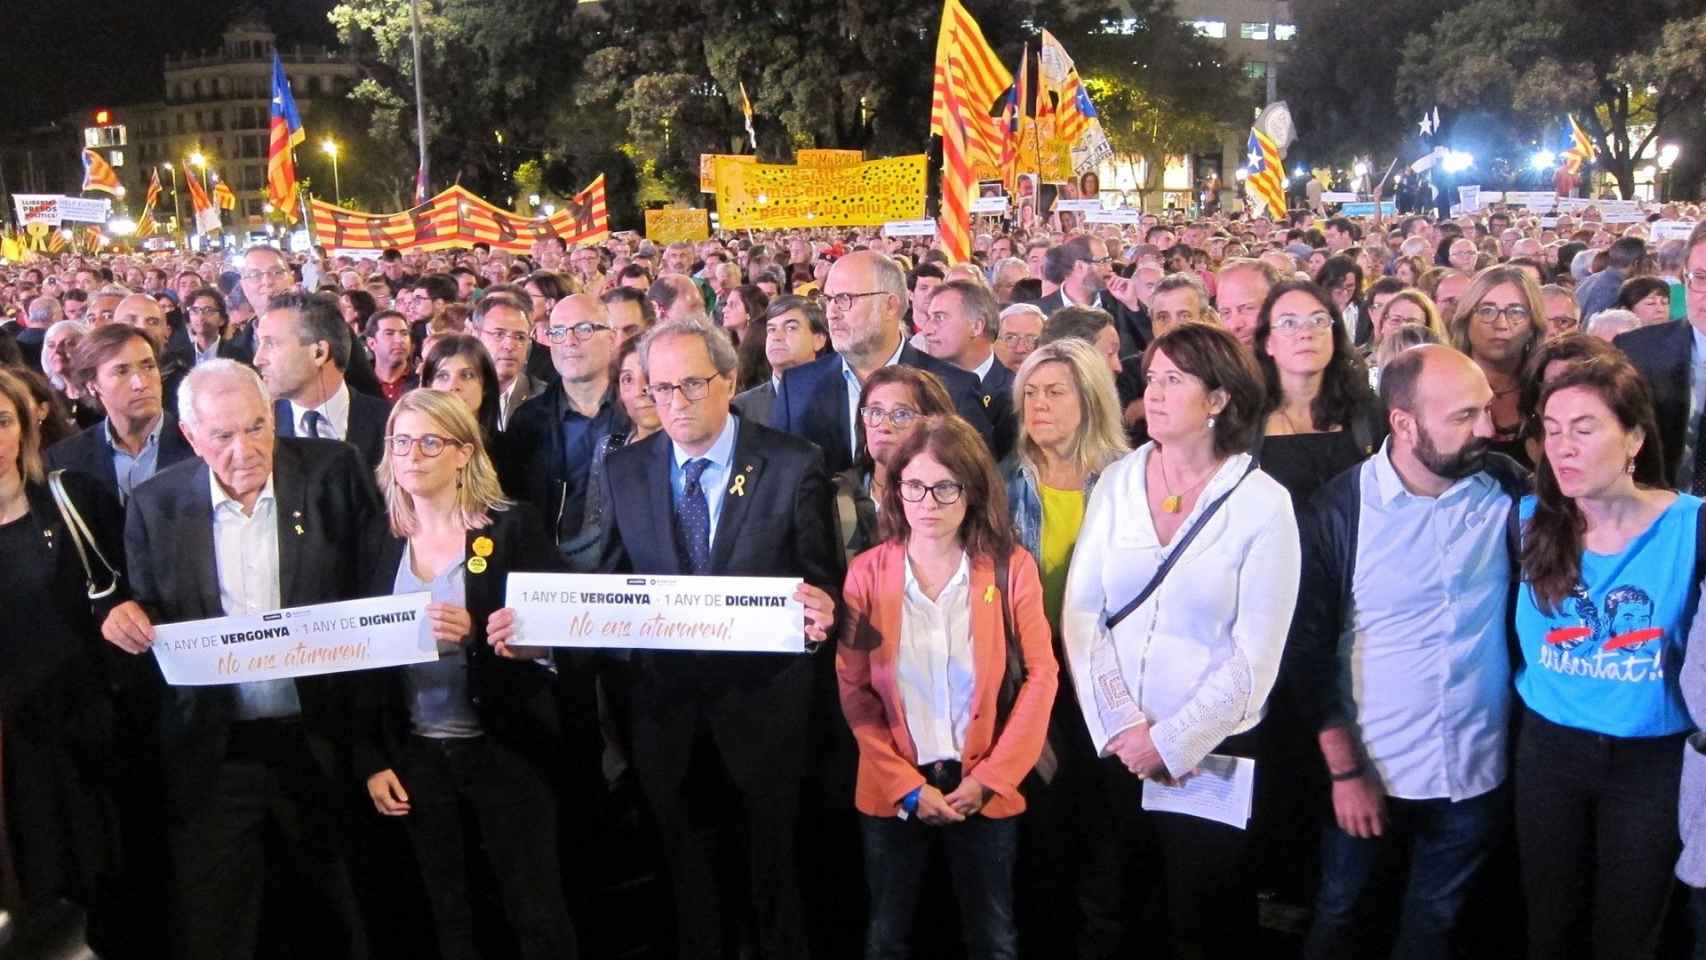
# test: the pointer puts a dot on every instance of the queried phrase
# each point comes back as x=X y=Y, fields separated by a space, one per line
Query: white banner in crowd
x=298 y=642
x=1672 y=230
x=910 y=228
x=1080 y=205
x=1120 y=215
x=597 y=610
x=990 y=206
x=55 y=208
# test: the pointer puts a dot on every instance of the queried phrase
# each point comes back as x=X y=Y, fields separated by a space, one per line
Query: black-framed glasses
x=206 y=312
x=1489 y=314
x=844 y=301
x=517 y=337
x=1099 y=261
x=431 y=444
x=898 y=418
x=693 y=388
x=253 y=275
x=946 y=492
x=583 y=332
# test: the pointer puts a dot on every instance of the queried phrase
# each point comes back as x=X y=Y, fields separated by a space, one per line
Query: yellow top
x=1063 y=514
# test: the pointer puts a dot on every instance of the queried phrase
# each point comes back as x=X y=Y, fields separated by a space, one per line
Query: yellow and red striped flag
x=1581 y=149
x=953 y=221
x=98 y=174
x=1013 y=124
x=1057 y=73
x=222 y=194
x=979 y=80
x=145 y=225
x=1265 y=175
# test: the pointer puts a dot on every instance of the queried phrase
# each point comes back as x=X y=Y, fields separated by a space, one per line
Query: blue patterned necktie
x=693 y=520
x=311 y=423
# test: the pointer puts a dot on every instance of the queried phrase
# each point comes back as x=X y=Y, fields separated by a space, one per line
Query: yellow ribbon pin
x=739 y=489
x=482 y=546
x=299 y=529
x=986 y=399
x=989 y=594
x=476 y=564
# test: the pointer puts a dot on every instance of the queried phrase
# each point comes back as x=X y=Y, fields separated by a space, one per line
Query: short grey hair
x=1672 y=255
x=889 y=277
x=715 y=339
x=80 y=327
x=44 y=312
x=1609 y=323
x=1185 y=281
x=202 y=374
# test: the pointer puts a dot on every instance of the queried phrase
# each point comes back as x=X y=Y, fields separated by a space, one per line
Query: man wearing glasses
x=1672 y=359
x=502 y=322
x=206 y=320
x=864 y=299
x=1084 y=269
x=547 y=451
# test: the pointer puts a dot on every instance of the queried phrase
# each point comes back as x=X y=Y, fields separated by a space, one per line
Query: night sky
x=61 y=55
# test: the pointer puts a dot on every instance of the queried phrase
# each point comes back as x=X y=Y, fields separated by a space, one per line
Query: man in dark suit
x=43 y=312
x=501 y=321
x=138 y=437
x=795 y=333
x=959 y=325
x=302 y=348
x=1084 y=269
x=258 y=523
x=864 y=296
x=203 y=336
x=713 y=494
x=1672 y=358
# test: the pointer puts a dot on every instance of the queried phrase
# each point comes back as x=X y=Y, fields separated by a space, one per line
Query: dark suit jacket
x=1662 y=353
x=812 y=403
x=29 y=343
x=784 y=526
x=367 y=416
x=513 y=697
x=324 y=490
x=531 y=461
x=1133 y=325
x=755 y=404
x=87 y=453
x=997 y=397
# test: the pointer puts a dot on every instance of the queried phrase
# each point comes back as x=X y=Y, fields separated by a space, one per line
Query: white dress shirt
x=714 y=481
x=934 y=666
x=854 y=389
x=245 y=556
x=1199 y=657
x=1426 y=673
x=334 y=413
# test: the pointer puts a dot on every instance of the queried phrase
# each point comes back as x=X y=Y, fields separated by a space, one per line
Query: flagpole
x=421 y=177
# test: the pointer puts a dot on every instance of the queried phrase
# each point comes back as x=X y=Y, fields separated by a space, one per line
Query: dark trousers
x=1448 y=844
x=270 y=836
x=980 y=854
x=1198 y=872
x=517 y=817
x=1596 y=829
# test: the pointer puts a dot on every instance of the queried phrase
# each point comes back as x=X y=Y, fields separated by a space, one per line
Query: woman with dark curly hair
x=1321 y=416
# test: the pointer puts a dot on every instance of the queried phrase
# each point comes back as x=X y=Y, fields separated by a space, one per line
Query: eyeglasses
x=844 y=301
x=1695 y=280
x=1019 y=341
x=898 y=418
x=1490 y=314
x=431 y=444
x=1098 y=261
x=693 y=388
x=582 y=332
x=205 y=312
x=517 y=337
x=1294 y=323
x=1561 y=321
x=946 y=492
x=252 y=275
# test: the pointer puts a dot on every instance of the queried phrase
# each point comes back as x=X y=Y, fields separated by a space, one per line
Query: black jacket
x=513 y=697
x=1134 y=326
x=532 y=463
x=87 y=453
x=1663 y=353
x=997 y=397
x=1328 y=529
x=325 y=500
x=366 y=432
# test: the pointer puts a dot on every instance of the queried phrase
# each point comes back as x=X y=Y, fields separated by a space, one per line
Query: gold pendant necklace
x=1174 y=501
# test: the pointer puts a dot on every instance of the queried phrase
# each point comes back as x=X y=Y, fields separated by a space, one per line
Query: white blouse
x=1199 y=657
x=935 y=664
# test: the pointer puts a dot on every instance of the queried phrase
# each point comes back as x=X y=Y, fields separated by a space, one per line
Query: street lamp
x=1542 y=160
x=199 y=161
x=330 y=147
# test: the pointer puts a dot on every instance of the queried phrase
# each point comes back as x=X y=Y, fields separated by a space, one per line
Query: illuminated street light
x=330 y=148
x=1667 y=156
x=1360 y=169
x=1543 y=160
x=1457 y=161
x=197 y=160
x=121 y=227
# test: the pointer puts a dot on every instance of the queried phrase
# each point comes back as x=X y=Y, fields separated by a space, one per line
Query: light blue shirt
x=1425 y=666
x=437 y=691
x=1696 y=393
x=854 y=389
x=716 y=478
x=132 y=470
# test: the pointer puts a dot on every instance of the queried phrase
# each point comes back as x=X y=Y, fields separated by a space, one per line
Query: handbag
x=1178 y=551
x=82 y=539
x=1048 y=762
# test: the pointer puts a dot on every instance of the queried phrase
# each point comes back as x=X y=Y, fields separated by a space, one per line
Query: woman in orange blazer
x=920 y=669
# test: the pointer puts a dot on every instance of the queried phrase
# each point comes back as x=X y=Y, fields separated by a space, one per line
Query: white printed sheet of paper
x=1220 y=790
x=297 y=642
x=643 y=612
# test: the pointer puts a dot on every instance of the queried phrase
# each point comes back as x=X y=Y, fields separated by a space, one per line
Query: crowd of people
x=1405 y=512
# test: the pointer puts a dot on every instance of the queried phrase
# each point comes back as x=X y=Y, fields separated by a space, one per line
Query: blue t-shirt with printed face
x=1606 y=660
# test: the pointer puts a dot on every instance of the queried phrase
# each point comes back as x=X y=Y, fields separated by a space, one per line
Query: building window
x=1210 y=27
x=180 y=123
x=1285 y=31
x=1253 y=31
x=1256 y=70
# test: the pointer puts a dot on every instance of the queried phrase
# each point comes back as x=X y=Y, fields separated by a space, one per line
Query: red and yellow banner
x=457 y=218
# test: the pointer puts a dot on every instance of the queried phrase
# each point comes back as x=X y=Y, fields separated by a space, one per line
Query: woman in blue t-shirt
x=1602 y=617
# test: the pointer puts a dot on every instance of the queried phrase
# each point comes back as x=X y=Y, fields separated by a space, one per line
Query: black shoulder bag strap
x=1048 y=762
x=1178 y=551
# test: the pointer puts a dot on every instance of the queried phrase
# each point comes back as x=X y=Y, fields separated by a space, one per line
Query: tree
x=1534 y=60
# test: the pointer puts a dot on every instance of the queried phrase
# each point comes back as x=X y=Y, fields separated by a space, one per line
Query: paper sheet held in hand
x=1220 y=790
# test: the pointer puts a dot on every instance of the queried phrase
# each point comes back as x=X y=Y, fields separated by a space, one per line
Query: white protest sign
x=989 y=206
x=38 y=208
x=298 y=642
x=1470 y=197
x=1338 y=196
x=1080 y=205
x=1620 y=211
x=594 y=610
x=1535 y=200
x=1672 y=230
x=1121 y=215
x=910 y=228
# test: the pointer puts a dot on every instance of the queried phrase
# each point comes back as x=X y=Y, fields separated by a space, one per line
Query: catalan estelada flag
x=285 y=133
x=222 y=194
x=981 y=79
x=145 y=225
x=1580 y=150
x=99 y=174
x=1264 y=177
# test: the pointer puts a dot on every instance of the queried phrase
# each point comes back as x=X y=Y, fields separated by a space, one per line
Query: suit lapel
x=195 y=542
x=747 y=462
x=663 y=510
x=285 y=425
x=290 y=490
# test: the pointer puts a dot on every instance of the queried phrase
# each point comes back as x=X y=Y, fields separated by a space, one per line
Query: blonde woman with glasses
x=474 y=728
